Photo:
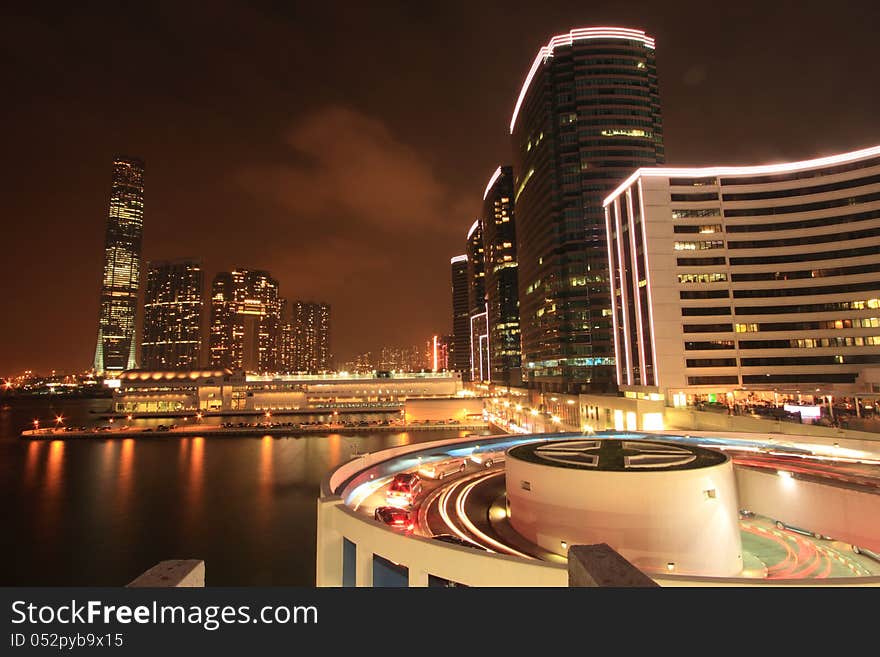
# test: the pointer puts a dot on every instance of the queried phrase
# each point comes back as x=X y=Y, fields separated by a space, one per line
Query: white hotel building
x=755 y=278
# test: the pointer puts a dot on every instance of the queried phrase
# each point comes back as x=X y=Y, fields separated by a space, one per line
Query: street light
x=36 y=425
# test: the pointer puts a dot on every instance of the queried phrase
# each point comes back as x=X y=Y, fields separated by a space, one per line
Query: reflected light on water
x=125 y=478
x=266 y=481
x=334 y=441
x=33 y=457
x=196 y=471
x=55 y=467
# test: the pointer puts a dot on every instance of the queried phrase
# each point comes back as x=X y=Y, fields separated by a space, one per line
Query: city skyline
x=223 y=211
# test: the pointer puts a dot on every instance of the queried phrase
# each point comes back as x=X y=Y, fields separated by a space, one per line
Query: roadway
x=471 y=505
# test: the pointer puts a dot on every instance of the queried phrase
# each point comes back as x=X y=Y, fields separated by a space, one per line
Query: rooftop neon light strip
x=491 y=182
x=458 y=258
x=566 y=40
x=473 y=228
x=768 y=169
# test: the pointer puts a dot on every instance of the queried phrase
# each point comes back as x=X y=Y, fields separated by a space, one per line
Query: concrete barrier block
x=173 y=573
x=600 y=565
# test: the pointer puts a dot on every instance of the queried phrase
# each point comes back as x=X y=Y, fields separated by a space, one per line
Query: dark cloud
x=348 y=165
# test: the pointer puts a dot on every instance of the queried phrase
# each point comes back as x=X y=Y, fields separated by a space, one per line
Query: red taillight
x=398 y=521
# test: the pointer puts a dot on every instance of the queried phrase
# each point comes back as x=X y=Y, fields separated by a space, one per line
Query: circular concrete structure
x=666 y=507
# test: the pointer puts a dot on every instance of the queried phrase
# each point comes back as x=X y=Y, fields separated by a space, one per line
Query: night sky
x=345 y=147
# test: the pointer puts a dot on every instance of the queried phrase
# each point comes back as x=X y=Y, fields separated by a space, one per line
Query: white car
x=488 y=455
x=442 y=469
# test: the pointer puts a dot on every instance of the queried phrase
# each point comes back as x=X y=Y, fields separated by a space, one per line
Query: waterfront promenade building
x=245 y=318
x=587 y=115
x=733 y=281
x=459 y=347
x=116 y=348
x=172 y=334
x=502 y=293
x=222 y=390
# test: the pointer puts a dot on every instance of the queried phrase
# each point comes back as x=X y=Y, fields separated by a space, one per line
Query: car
x=442 y=469
x=488 y=455
x=162 y=427
x=395 y=517
x=403 y=489
x=799 y=530
x=455 y=540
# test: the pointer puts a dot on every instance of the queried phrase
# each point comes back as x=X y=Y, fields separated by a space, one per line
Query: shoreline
x=203 y=431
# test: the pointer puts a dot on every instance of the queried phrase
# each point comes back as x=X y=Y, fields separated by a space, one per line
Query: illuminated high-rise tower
x=459 y=354
x=116 y=347
x=245 y=319
x=587 y=116
x=480 y=361
x=500 y=266
x=172 y=336
x=310 y=336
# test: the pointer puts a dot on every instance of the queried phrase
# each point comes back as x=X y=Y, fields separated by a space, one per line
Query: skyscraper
x=588 y=114
x=479 y=332
x=459 y=347
x=502 y=293
x=309 y=337
x=116 y=346
x=172 y=337
x=245 y=318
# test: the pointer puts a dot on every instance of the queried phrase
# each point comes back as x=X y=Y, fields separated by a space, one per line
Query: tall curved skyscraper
x=588 y=114
x=116 y=348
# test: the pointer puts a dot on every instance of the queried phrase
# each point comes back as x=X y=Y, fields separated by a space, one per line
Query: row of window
x=810 y=343
x=706 y=310
x=804 y=223
x=783 y=259
x=704 y=294
x=796 y=343
x=754 y=327
x=823 y=325
x=704 y=229
x=778 y=361
x=805 y=273
x=703 y=277
x=807 y=377
x=802 y=191
x=694 y=197
x=806 y=291
x=702 y=245
x=834 y=306
x=804 y=207
x=685 y=213
x=807 y=239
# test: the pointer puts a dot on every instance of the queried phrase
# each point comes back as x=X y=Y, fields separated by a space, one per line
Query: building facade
x=245 y=318
x=587 y=115
x=501 y=280
x=116 y=348
x=172 y=336
x=755 y=278
x=459 y=348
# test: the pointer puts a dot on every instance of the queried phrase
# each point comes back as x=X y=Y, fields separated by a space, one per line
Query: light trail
x=462 y=515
